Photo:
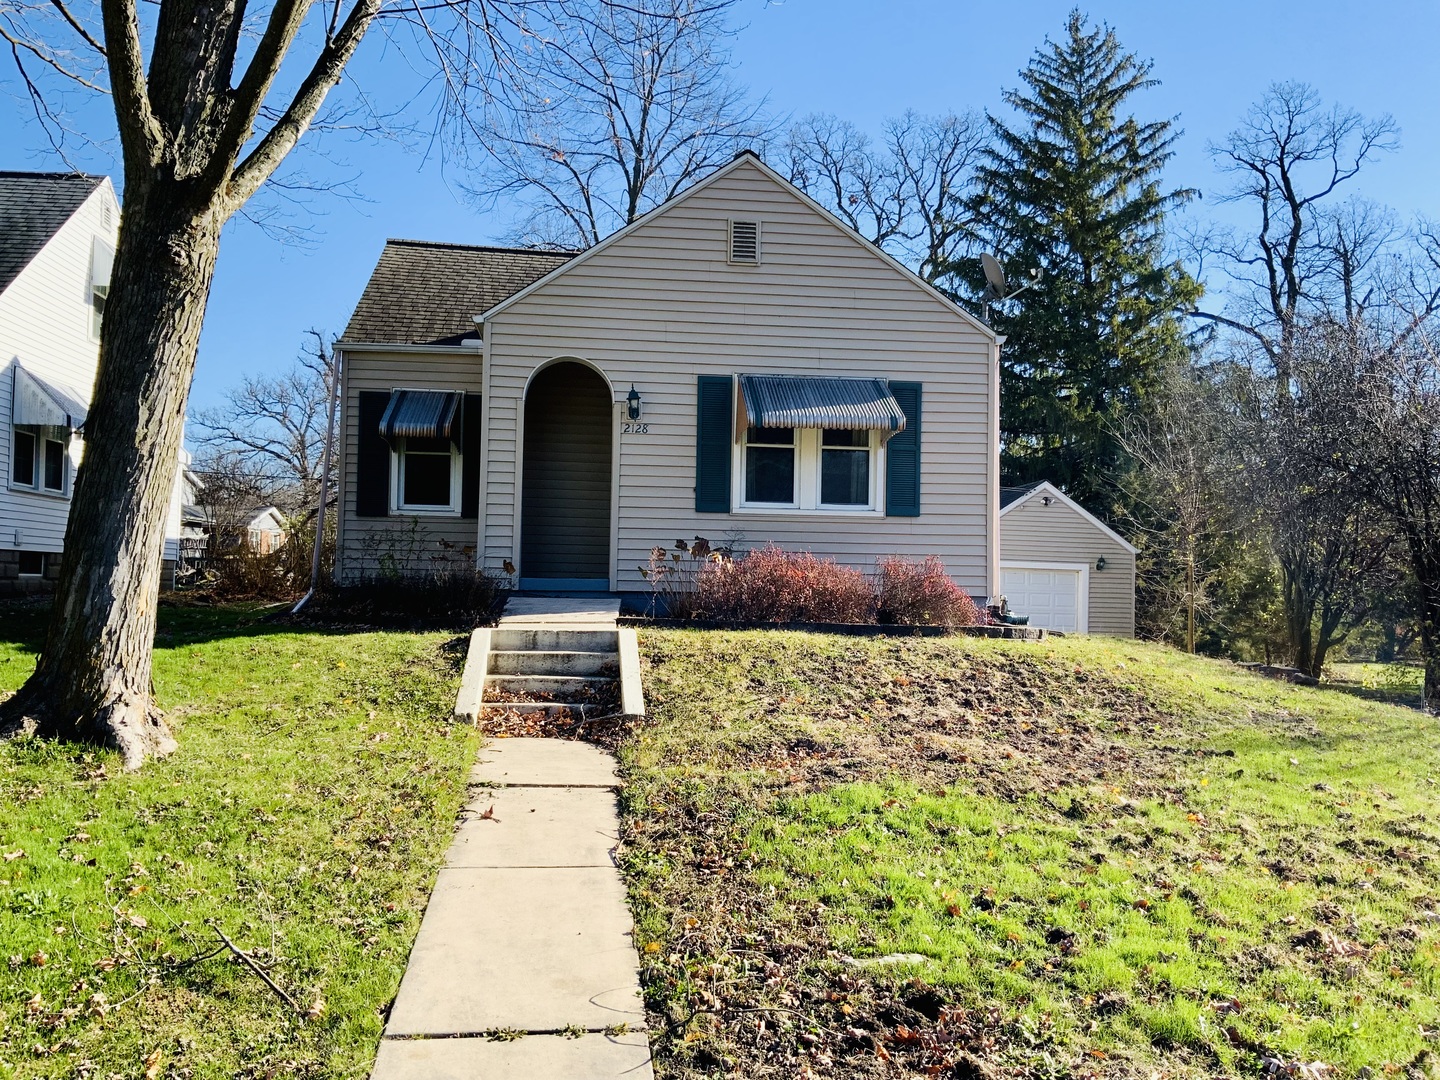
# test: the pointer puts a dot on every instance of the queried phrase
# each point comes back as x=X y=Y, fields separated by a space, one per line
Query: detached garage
x=1062 y=566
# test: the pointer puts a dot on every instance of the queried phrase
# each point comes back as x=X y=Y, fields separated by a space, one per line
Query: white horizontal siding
x=412 y=541
x=661 y=306
x=1035 y=532
x=45 y=325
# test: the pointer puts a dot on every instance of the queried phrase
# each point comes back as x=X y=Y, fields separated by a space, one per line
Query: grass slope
x=1106 y=858
x=304 y=815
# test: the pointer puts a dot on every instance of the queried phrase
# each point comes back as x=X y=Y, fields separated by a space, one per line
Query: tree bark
x=1427 y=567
x=93 y=680
x=1299 y=618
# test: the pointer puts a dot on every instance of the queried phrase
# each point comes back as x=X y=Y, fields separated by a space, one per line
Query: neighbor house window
x=427 y=476
x=32 y=564
x=38 y=462
x=102 y=261
x=98 y=293
x=810 y=469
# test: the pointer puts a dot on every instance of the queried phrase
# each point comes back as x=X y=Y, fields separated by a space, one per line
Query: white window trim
x=27 y=574
x=37 y=486
x=807 y=481
x=397 y=467
x=1082 y=601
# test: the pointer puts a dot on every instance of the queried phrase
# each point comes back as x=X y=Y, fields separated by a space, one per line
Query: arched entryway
x=565 y=490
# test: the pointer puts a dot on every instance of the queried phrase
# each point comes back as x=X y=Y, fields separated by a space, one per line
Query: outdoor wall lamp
x=1100 y=563
x=632 y=403
x=1045 y=500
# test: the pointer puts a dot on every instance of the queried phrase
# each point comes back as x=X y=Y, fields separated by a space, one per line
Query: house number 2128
x=635 y=429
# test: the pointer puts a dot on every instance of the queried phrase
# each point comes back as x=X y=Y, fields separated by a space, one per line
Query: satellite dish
x=994 y=276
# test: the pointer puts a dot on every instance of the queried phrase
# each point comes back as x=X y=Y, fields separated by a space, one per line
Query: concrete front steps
x=530 y=668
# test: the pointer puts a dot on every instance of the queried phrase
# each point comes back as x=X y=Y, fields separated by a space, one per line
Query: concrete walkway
x=527 y=931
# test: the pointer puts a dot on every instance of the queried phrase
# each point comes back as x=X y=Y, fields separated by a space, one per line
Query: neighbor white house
x=57 y=243
x=737 y=364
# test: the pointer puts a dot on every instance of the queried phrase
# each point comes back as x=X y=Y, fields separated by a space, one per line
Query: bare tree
x=204 y=119
x=1290 y=156
x=1308 y=257
x=620 y=109
x=271 y=431
x=907 y=195
x=1178 y=508
x=1378 y=426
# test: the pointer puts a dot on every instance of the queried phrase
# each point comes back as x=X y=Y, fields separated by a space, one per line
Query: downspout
x=994 y=478
x=324 y=488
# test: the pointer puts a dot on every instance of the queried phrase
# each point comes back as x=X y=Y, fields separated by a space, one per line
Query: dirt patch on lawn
x=736 y=990
x=938 y=712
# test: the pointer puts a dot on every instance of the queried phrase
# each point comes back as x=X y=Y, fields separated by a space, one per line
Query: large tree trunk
x=1427 y=568
x=1299 y=618
x=93 y=680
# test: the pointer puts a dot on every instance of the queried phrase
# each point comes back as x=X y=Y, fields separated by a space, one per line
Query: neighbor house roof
x=33 y=206
x=424 y=293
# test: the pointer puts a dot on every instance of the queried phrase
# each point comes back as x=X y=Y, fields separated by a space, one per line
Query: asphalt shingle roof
x=33 y=206
x=1009 y=495
x=429 y=294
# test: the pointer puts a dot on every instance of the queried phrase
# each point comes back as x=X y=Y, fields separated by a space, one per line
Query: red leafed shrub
x=771 y=585
x=922 y=594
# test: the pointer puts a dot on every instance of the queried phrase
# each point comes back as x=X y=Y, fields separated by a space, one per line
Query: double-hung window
x=846 y=468
x=38 y=461
x=812 y=469
x=770 y=467
x=427 y=476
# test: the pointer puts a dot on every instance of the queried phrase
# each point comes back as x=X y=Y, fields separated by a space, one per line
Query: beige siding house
x=1061 y=566
x=736 y=365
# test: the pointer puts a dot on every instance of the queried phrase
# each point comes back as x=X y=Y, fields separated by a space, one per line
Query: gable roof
x=1044 y=487
x=423 y=293
x=33 y=207
x=1009 y=495
x=742 y=158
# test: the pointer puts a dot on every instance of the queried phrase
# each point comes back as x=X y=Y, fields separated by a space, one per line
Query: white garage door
x=1050 y=597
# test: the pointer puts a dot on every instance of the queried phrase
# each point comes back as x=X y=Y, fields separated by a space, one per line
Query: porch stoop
x=553 y=655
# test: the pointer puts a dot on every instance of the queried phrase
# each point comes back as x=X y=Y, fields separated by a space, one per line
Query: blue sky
x=863 y=61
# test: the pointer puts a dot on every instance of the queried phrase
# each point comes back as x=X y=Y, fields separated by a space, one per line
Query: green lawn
x=1114 y=860
x=304 y=815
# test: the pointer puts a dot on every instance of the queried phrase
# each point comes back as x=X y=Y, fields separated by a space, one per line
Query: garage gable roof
x=1019 y=496
x=746 y=157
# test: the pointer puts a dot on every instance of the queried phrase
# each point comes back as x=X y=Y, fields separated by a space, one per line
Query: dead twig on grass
x=257 y=969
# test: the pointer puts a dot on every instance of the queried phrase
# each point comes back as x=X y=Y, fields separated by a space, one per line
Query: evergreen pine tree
x=1073 y=189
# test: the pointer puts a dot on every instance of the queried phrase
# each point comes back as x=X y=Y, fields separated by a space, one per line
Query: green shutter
x=714 y=425
x=902 y=456
x=372 y=458
x=470 y=457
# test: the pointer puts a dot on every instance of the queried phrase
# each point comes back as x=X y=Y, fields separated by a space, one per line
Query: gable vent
x=744 y=242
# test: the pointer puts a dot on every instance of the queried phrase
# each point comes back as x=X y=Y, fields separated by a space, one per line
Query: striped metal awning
x=421 y=414
x=38 y=403
x=810 y=401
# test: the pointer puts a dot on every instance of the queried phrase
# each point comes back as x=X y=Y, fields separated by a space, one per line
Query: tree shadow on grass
x=1407 y=697
x=23 y=624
